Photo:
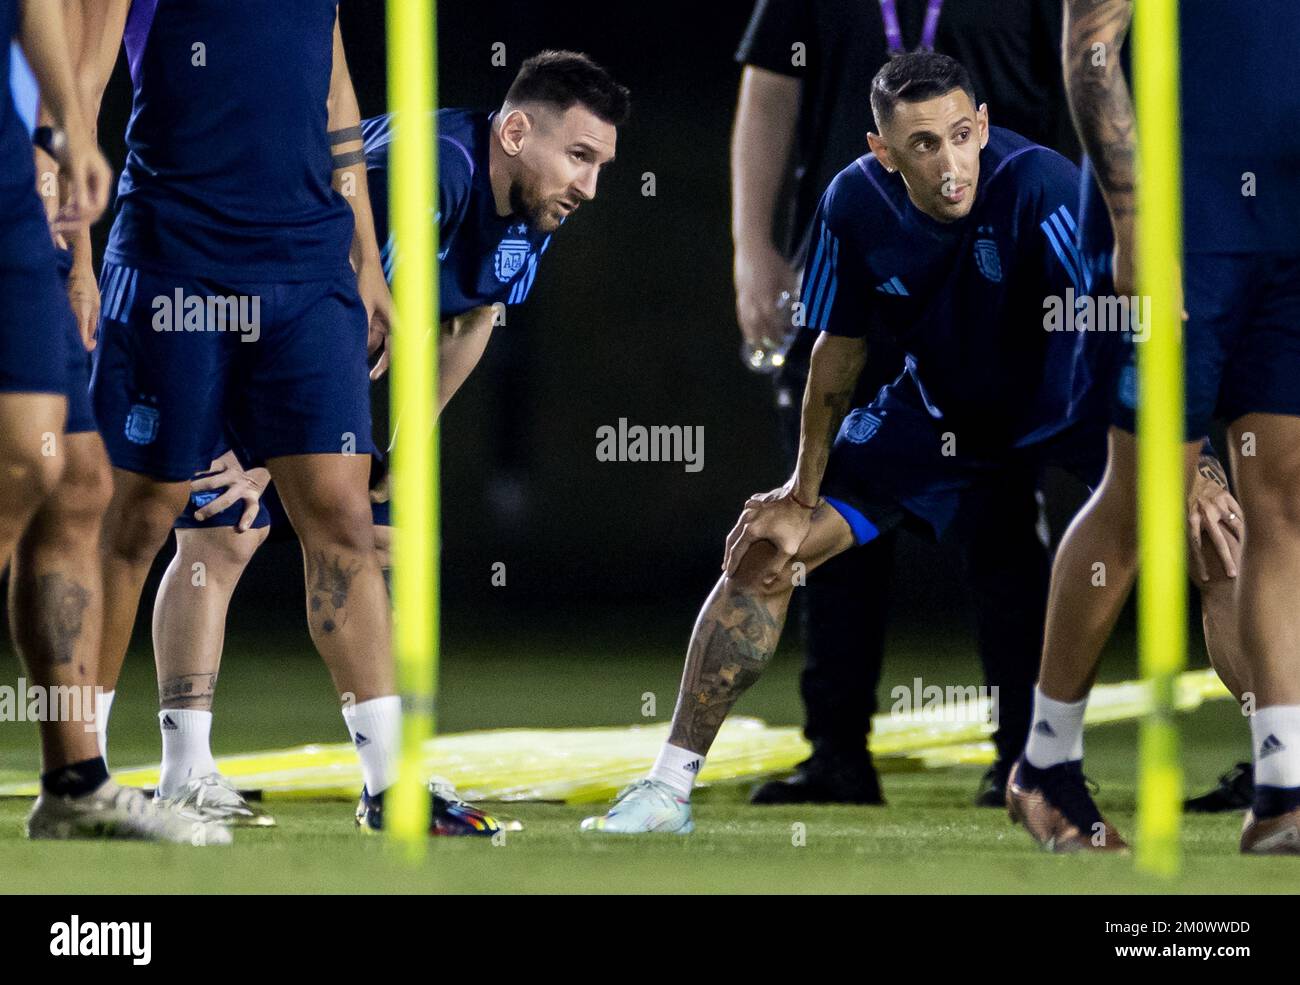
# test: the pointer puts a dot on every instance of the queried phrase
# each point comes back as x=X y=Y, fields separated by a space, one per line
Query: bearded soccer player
x=230 y=300
x=951 y=237
x=1241 y=287
x=55 y=489
x=507 y=181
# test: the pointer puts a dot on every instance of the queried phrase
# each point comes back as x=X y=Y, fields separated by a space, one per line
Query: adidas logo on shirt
x=892 y=286
x=1270 y=745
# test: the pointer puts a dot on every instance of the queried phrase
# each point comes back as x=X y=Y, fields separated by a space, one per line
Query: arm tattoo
x=1099 y=97
x=188 y=691
x=733 y=641
x=346 y=135
x=838 y=405
x=329 y=583
x=1211 y=468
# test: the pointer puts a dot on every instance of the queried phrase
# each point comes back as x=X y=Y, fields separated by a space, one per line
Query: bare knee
x=754 y=574
x=27 y=475
x=84 y=490
x=137 y=524
x=336 y=519
x=1273 y=501
x=223 y=552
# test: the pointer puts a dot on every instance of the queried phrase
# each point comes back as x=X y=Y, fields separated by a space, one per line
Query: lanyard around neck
x=894 y=33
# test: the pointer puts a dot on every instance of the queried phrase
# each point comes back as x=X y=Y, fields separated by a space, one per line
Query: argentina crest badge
x=861 y=426
x=987 y=259
x=512 y=253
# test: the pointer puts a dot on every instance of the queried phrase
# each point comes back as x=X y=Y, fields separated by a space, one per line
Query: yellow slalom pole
x=413 y=176
x=1162 y=594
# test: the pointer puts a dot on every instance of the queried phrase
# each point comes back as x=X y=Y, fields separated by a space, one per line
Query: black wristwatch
x=52 y=140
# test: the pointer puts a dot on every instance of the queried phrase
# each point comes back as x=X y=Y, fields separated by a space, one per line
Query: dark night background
x=632 y=317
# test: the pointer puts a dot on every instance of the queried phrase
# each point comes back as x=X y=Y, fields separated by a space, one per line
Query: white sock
x=187 y=752
x=1275 y=736
x=103 y=705
x=376 y=730
x=1057 y=733
x=678 y=768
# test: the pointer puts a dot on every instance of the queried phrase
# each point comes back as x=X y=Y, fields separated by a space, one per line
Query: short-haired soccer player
x=507 y=180
x=951 y=237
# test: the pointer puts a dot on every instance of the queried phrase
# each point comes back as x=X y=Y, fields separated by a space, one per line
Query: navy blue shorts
x=40 y=346
x=270 y=512
x=1241 y=341
x=180 y=358
x=888 y=466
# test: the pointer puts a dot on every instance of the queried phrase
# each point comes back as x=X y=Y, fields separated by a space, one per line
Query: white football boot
x=644 y=807
x=214 y=798
x=114 y=811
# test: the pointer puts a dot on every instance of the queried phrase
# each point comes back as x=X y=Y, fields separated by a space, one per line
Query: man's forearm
x=461 y=344
x=101 y=24
x=832 y=377
x=761 y=140
x=1099 y=98
x=45 y=45
x=348 y=150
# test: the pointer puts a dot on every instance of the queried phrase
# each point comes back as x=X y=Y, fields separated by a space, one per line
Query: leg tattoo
x=61 y=605
x=188 y=691
x=732 y=643
x=329 y=582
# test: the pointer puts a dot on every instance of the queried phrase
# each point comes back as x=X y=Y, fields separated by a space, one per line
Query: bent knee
x=754 y=573
x=28 y=475
x=134 y=531
x=84 y=489
x=1273 y=502
x=222 y=550
x=348 y=527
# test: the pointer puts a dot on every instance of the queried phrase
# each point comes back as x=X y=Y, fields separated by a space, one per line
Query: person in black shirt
x=803 y=99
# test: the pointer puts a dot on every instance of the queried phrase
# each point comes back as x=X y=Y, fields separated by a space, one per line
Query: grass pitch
x=927 y=840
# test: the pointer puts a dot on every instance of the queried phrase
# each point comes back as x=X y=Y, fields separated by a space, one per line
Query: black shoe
x=821 y=781
x=992 y=790
x=1235 y=792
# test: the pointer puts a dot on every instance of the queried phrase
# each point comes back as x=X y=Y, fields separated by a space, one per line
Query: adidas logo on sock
x=692 y=767
x=1270 y=745
x=1044 y=727
x=361 y=740
x=168 y=724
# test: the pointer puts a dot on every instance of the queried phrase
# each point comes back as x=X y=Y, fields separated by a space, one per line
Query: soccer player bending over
x=950 y=237
x=507 y=181
x=1241 y=285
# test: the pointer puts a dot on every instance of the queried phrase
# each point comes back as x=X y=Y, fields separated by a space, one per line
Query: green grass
x=928 y=839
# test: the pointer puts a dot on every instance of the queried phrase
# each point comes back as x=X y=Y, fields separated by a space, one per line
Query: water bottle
x=768 y=356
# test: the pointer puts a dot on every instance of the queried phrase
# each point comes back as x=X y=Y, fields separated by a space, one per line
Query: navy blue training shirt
x=964 y=300
x=229 y=164
x=485 y=258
